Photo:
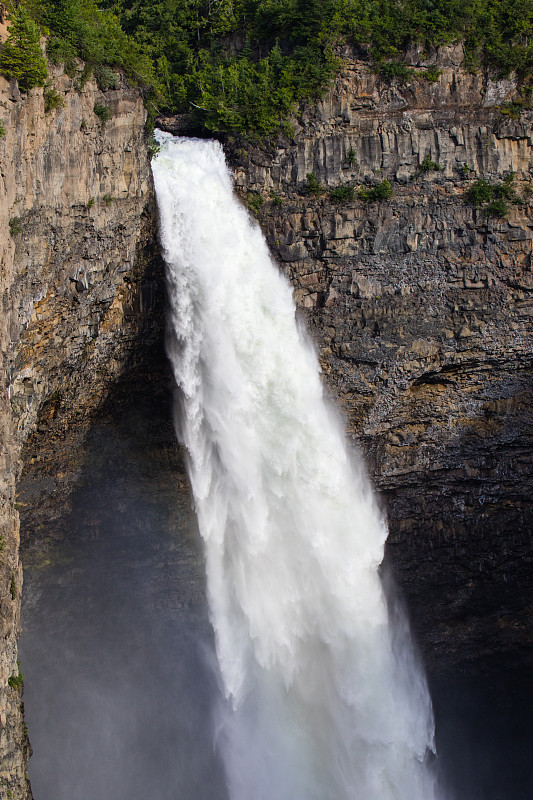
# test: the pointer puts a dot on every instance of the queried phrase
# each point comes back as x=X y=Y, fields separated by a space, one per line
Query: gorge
x=420 y=307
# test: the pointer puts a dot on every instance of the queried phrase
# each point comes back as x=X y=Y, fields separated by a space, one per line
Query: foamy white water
x=319 y=704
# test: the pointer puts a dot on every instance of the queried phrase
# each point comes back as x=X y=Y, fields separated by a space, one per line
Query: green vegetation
x=108 y=199
x=52 y=99
x=394 y=70
x=13 y=586
x=431 y=74
x=275 y=199
x=351 y=157
x=153 y=147
x=255 y=202
x=383 y=191
x=75 y=29
x=14 y=226
x=342 y=194
x=82 y=76
x=90 y=202
x=16 y=681
x=237 y=65
x=479 y=193
x=493 y=198
x=3 y=131
x=80 y=29
x=102 y=112
x=242 y=66
x=106 y=78
x=21 y=58
x=313 y=186
x=427 y=165
x=400 y=72
x=512 y=109
x=497 y=208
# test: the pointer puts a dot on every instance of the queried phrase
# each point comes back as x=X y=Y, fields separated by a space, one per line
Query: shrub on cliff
x=102 y=112
x=428 y=165
x=479 y=193
x=16 y=681
x=106 y=78
x=493 y=198
x=512 y=109
x=21 y=58
x=313 y=185
x=15 y=226
x=342 y=194
x=255 y=202
x=394 y=70
x=52 y=99
x=497 y=208
x=382 y=191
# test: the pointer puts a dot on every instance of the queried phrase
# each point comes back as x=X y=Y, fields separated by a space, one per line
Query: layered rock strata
x=77 y=220
x=421 y=306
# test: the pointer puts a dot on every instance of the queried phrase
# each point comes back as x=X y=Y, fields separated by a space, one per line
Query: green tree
x=21 y=58
x=80 y=29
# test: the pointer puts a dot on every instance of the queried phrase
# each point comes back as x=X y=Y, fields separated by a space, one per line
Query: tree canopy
x=21 y=58
x=242 y=65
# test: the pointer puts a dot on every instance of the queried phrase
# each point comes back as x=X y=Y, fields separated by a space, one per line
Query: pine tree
x=21 y=57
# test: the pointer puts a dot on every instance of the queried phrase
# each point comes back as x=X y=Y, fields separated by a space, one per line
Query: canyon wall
x=76 y=250
x=421 y=307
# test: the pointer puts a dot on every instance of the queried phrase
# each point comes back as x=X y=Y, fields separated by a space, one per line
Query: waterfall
x=322 y=698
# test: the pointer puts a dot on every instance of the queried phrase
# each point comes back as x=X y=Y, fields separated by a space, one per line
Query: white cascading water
x=323 y=700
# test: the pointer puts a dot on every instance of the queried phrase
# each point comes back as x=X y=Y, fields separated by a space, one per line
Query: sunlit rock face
x=421 y=308
x=76 y=212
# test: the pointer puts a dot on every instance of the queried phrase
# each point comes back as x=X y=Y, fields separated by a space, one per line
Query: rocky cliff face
x=77 y=225
x=421 y=306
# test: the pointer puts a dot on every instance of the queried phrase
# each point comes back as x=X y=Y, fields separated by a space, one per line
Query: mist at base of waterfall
x=119 y=688
x=116 y=649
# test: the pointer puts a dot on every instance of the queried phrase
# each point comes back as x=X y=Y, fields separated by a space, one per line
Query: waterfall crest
x=319 y=704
